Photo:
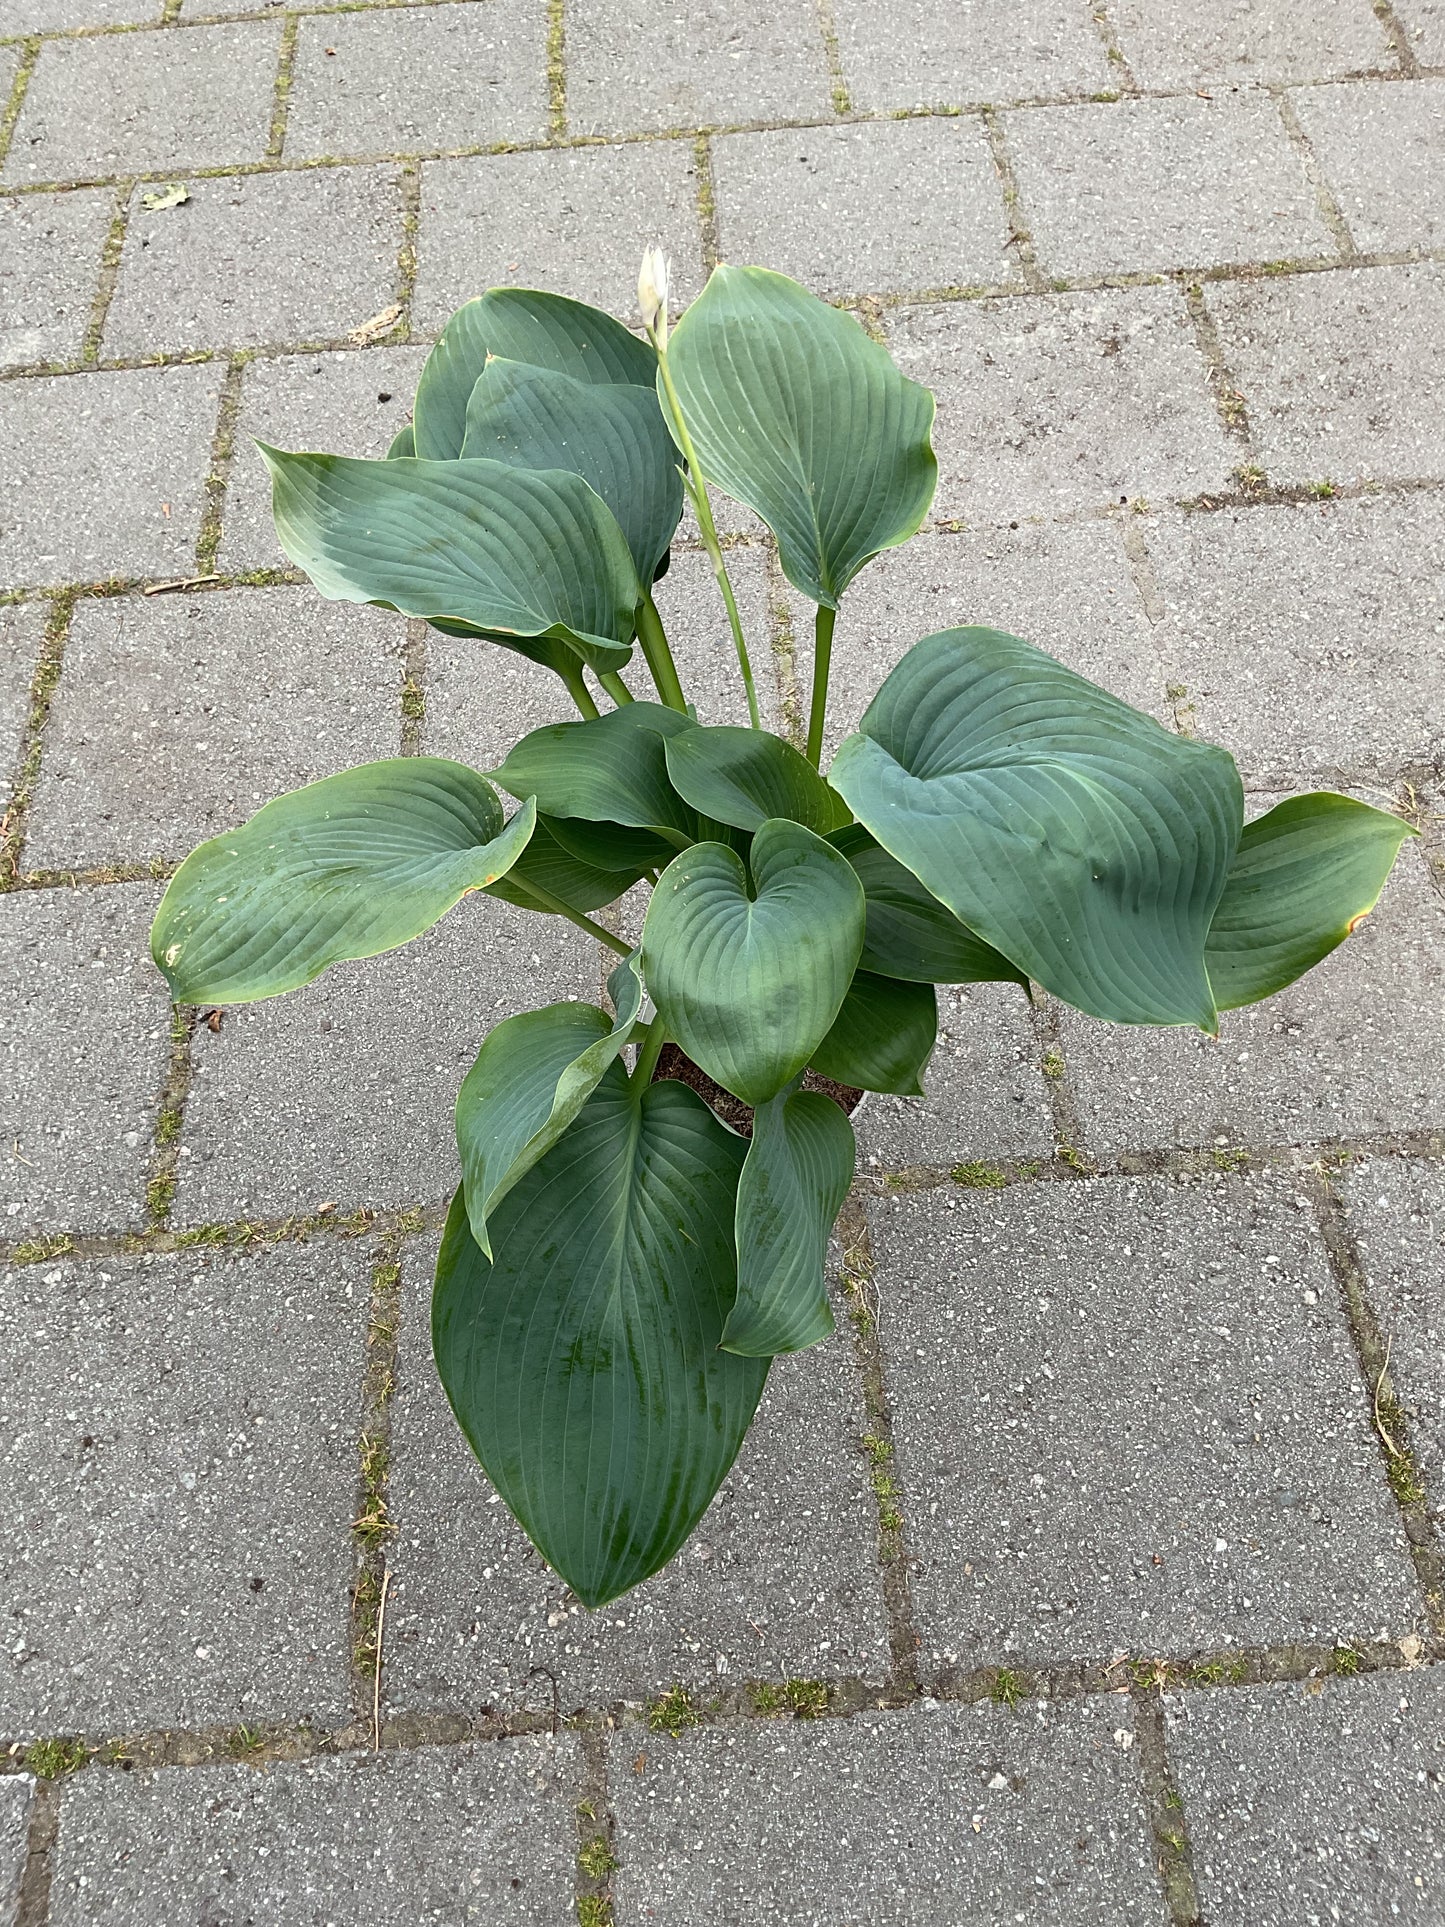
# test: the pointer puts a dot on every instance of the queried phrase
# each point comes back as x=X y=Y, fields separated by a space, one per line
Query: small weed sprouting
x=1345 y=1661
x=594 y=1910
x=1223 y=1670
x=1053 y=1065
x=1008 y=1687
x=596 y=1858
x=242 y=1741
x=1323 y=490
x=1228 y=1157
x=673 y=1712
x=54 y=1759
x=805 y=1699
x=1252 y=479
x=35 y=1251
x=979 y=1177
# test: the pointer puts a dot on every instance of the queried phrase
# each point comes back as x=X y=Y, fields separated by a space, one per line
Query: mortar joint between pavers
x=160 y=1189
x=596 y=1860
x=1069 y=1135
x=409 y=188
x=1114 y=53
x=1164 y=1804
x=1398 y=37
x=43 y=683
x=784 y=648
x=414 y=677
x=1020 y=235
x=1229 y=399
x=111 y=252
x=32 y=1903
x=557 y=69
x=218 y=475
x=281 y=91
x=707 y=220
x=373 y=1530
x=1330 y=211
x=29 y=54
x=832 y=53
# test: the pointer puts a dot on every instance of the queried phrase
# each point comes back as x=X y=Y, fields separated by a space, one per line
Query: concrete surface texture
x=1092 y=1572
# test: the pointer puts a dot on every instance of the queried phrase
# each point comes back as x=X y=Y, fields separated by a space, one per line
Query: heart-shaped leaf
x=882 y=1037
x=519 y=324
x=750 y=981
x=403 y=443
x=513 y=552
x=611 y=769
x=549 y=863
x=910 y=934
x=1079 y=838
x=613 y=437
x=347 y=867
x=743 y=776
x=531 y=1077
x=1303 y=876
x=793 y=410
x=583 y=1362
x=796 y=1176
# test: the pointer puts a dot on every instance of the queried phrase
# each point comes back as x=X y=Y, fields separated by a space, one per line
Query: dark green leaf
x=512 y=552
x=798 y=1169
x=583 y=1363
x=910 y=934
x=883 y=1037
x=1079 y=838
x=1303 y=876
x=519 y=324
x=743 y=776
x=793 y=410
x=348 y=867
x=403 y=443
x=749 y=984
x=604 y=846
x=612 y=769
x=547 y=861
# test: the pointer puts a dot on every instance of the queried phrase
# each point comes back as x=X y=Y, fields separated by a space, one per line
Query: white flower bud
x=652 y=294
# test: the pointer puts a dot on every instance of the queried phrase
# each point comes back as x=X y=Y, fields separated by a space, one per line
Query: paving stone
x=477 y=1617
x=481 y=699
x=352 y=403
x=22 y=629
x=1063 y=401
x=483 y=1833
x=178 y=717
x=874 y=206
x=1316 y=1802
x=986 y=1096
x=1162 y=184
x=1424 y=23
x=16 y=1791
x=712 y=63
x=84 y=1039
x=344 y=1091
x=1246 y=42
x=1396 y=1211
x=132 y=102
x=55 y=16
x=236 y=264
x=104 y=474
x=50 y=246
x=1344 y=373
x=1127 y=1417
x=574 y=221
x=1066 y=588
x=190 y=1416
x=1343 y=606
x=1382 y=148
x=905 y=1819
x=1356 y=1046
x=9 y=68
x=938 y=53
x=419 y=79
x=701 y=638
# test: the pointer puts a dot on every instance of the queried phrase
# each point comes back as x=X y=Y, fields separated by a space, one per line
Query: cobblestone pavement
x=1093 y=1573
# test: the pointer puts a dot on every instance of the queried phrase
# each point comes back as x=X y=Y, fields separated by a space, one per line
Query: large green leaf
x=882 y=1037
x=519 y=324
x=1303 y=876
x=910 y=934
x=402 y=443
x=531 y=1077
x=548 y=862
x=749 y=981
x=347 y=867
x=793 y=410
x=611 y=769
x=1079 y=838
x=583 y=1362
x=514 y=552
x=798 y=1169
x=613 y=437
x=743 y=776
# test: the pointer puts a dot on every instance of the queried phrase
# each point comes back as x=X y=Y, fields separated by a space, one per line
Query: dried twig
x=376 y=1684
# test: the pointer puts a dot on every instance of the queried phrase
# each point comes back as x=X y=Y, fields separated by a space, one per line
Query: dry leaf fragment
x=1412 y=1649
x=159 y=199
x=379 y=325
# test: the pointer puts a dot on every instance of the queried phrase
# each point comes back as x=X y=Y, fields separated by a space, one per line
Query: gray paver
x=1162 y=184
x=986 y=1097
x=331 y=402
x=715 y=62
x=1382 y=149
x=177 y=718
x=54 y=16
x=84 y=1037
x=104 y=474
x=873 y=207
x=1424 y=23
x=344 y=1091
x=420 y=79
x=1221 y=42
x=483 y=1833
x=15 y=1796
x=481 y=698
x=50 y=247
x=938 y=53
x=118 y=103
x=1064 y=401
x=575 y=222
x=236 y=264
x=474 y=1610
x=1035 y=1339
x=1344 y=373
x=1343 y=605
x=701 y=639
x=176 y=1429
x=1397 y=1214
x=915 y=1819
x=22 y=629
x=1356 y=1046
x=1316 y=1802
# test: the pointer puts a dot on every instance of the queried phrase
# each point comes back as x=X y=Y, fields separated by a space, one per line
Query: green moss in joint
x=673 y=1712
x=979 y=1177
x=54 y=1759
x=596 y=1858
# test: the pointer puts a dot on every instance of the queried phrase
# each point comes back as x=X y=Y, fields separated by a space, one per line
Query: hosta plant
x=619 y=1263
